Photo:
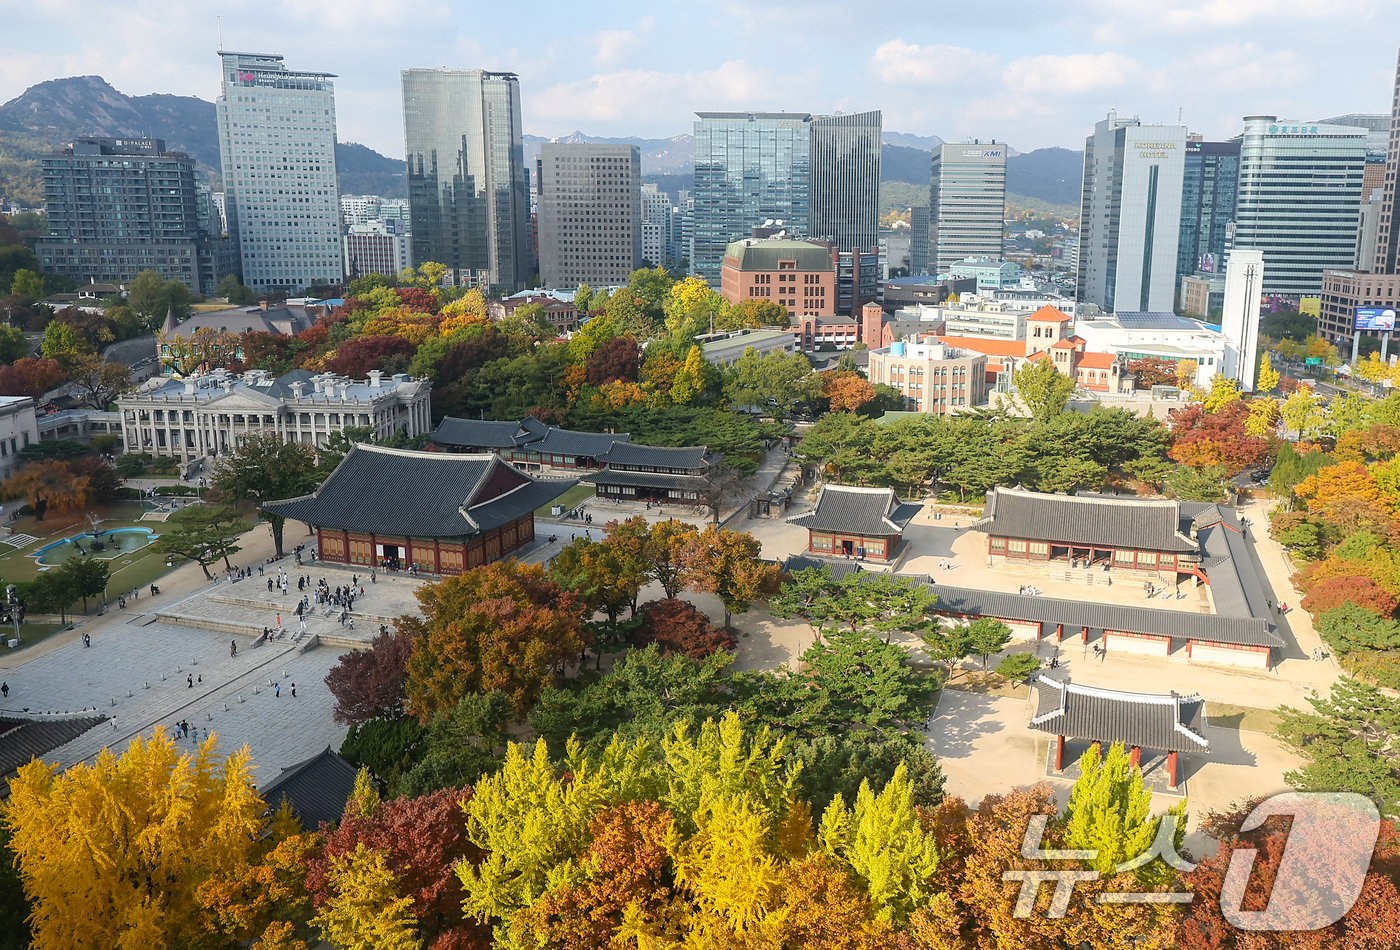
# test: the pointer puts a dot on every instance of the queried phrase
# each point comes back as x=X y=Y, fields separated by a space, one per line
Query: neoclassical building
x=209 y=414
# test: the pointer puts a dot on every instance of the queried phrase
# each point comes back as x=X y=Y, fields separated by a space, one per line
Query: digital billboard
x=1375 y=318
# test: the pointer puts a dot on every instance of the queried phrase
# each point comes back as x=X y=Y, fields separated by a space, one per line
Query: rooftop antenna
x=220 y=20
x=1178 y=115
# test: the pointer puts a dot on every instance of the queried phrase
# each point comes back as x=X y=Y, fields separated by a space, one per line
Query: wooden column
x=1084 y=636
x=1172 y=779
x=1059 y=753
x=1135 y=757
x=1059 y=633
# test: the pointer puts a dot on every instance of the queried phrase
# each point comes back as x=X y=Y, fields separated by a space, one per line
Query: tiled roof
x=989 y=347
x=1140 y=523
x=1076 y=614
x=528 y=433
x=1048 y=312
x=1234 y=583
x=21 y=740
x=567 y=442
x=474 y=433
x=838 y=568
x=851 y=510
x=1097 y=360
x=1170 y=723
x=317 y=789
x=631 y=453
x=419 y=494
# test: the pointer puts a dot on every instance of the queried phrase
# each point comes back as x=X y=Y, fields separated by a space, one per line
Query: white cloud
x=614 y=46
x=1069 y=75
x=644 y=96
x=899 y=62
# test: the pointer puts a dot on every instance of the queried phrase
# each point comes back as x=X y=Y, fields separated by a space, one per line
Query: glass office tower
x=277 y=146
x=1208 y=191
x=750 y=167
x=846 y=180
x=1299 y=199
x=469 y=201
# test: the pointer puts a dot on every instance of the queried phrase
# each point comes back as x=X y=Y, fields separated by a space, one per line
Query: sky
x=1027 y=72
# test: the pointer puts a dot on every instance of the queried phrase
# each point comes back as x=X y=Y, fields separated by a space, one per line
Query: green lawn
x=134 y=569
x=1243 y=718
x=30 y=633
x=570 y=498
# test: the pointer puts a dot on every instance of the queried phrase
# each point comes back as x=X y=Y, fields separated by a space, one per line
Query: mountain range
x=49 y=115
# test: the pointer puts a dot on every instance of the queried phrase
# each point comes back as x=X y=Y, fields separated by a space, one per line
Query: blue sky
x=1028 y=72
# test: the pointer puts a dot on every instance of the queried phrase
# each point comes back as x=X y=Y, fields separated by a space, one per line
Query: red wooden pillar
x=1059 y=753
x=345 y=538
x=1097 y=746
x=437 y=556
x=1084 y=636
x=1171 y=769
x=1135 y=757
x=1059 y=633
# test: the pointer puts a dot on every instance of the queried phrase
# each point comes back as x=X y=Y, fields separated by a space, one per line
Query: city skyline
x=941 y=72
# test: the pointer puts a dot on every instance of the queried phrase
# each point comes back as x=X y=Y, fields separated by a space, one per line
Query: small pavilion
x=1169 y=723
x=848 y=521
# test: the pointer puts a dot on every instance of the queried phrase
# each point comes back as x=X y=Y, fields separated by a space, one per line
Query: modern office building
x=846 y=179
x=750 y=167
x=918 y=241
x=589 y=213
x=1387 y=259
x=1130 y=215
x=377 y=247
x=1299 y=199
x=656 y=225
x=967 y=203
x=1209 y=186
x=277 y=146
x=991 y=273
x=117 y=207
x=467 y=188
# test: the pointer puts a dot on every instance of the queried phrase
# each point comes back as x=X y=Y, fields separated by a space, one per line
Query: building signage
x=1375 y=318
x=1292 y=130
x=981 y=153
x=1154 y=149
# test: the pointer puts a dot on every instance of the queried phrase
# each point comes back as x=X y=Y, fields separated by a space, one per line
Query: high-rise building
x=1130 y=215
x=967 y=203
x=467 y=188
x=1299 y=199
x=1210 y=183
x=918 y=241
x=1239 y=317
x=277 y=146
x=377 y=247
x=589 y=214
x=846 y=180
x=750 y=167
x=1388 y=237
x=117 y=207
x=656 y=225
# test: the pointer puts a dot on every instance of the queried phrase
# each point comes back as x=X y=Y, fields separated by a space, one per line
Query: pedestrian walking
x=294 y=690
x=189 y=680
x=114 y=723
x=233 y=648
x=5 y=690
x=277 y=690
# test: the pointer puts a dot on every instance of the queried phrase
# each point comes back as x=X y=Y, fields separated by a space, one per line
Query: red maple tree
x=370 y=684
x=676 y=626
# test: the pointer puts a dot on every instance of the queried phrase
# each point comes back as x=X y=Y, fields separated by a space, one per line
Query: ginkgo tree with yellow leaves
x=157 y=847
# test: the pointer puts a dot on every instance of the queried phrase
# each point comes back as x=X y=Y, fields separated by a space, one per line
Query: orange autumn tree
x=51 y=482
x=502 y=626
x=847 y=391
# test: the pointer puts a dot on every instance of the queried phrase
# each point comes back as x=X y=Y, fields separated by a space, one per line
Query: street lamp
x=12 y=600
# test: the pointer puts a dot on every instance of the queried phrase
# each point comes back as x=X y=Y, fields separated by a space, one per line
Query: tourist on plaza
x=294 y=690
x=277 y=690
x=189 y=681
x=5 y=690
x=233 y=648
